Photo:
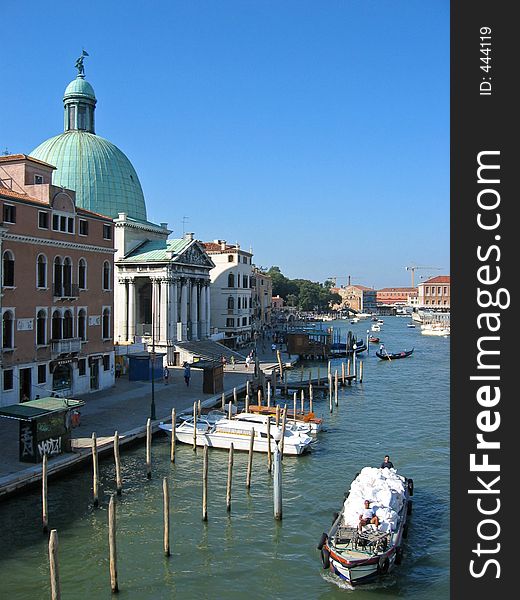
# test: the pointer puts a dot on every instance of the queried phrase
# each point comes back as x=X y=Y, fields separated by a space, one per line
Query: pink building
x=56 y=287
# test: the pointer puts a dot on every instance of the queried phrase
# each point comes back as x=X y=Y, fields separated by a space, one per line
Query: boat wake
x=388 y=581
x=341 y=583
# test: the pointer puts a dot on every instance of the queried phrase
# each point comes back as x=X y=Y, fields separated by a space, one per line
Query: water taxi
x=360 y=553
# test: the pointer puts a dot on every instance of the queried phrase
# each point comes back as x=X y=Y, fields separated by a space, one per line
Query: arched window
x=82 y=274
x=67 y=277
x=231 y=302
x=106 y=323
x=8 y=270
x=245 y=283
x=41 y=271
x=41 y=328
x=106 y=275
x=239 y=303
x=82 y=325
x=67 y=325
x=7 y=329
x=58 y=277
x=56 y=325
x=231 y=280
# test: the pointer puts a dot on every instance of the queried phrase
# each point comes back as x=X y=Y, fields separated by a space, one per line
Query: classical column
x=156 y=308
x=203 y=333
x=184 y=312
x=121 y=308
x=194 y=310
x=131 y=310
x=163 y=336
x=208 y=309
x=172 y=310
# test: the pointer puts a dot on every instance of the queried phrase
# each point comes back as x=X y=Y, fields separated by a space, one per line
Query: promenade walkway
x=124 y=408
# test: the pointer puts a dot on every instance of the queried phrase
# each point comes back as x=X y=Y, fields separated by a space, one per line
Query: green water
x=402 y=408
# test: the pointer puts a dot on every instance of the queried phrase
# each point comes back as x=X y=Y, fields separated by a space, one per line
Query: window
x=82 y=366
x=106 y=275
x=67 y=325
x=8 y=330
x=106 y=362
x=42 y=373
x=8 y=380
x=8 y=259
x=445 y=292
x=239 y=303
x=62 y=223
x=38 y=179
x=439 y=291
x=106 y=324
x=231 y=303
x=43 y=220
x=230 y=258
x=82 y=117
x=245 y=281
x=58 y=276
x=70 y=225
x=82 y=274
x=231 y=280
x=56 y=325
x=82 y=325
x=107 y=232
x=41 y=271
x=244 y=320
x=41 y=328
x=230 y=322
x=67 y=277
x=83 y=227
x=9 y=213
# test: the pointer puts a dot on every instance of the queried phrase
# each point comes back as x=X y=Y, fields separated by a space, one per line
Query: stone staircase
x=209 y=350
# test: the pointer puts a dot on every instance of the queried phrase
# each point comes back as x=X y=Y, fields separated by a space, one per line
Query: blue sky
x=315 y=131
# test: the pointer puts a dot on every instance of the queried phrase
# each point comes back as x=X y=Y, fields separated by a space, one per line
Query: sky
x=315 y=132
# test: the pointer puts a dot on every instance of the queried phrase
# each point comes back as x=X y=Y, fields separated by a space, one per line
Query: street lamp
x=152 y=406
x=354 y=347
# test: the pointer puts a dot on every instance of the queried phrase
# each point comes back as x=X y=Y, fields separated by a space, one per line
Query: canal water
x=400 y=409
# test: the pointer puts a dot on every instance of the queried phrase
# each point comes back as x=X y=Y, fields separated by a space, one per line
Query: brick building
x=435 y=293
x=396 y=296
x=56 y=287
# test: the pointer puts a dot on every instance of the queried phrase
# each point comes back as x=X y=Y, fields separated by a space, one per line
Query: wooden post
x=268 y=394
x=95 y=466
x=348 y=367
x=259 y=397
x=310 y=398
x=330 y=391
x=250 y=458
x=223 y=401
x=277 y=485
x=45 y=514
x=112 y=550
x=234 y=396
x=343 y=372
x=294 y=404
x=277 y=415
x=302 y=399
x=230 y=410
x=329 y=368
x=301 y=374
x=194 y=427
x=53 y=566
x=274 y=382
x=247 y=403
x=172 y=447
x=279 y=357
x=354 y=367
x=247 y=387
x=360 y=371
x=319 y=378
x=166 y=516
x=149 y=448
x=199 y=409
x=205 y=484
x=336 y=387
x=229 y=478
x=117 y=461
x=284 y=417
x=269 y=458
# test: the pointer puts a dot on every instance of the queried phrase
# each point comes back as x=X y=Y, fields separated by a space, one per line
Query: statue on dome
x=79 y=63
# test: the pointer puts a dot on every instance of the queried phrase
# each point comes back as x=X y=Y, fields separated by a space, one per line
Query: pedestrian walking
x=248 y=361
x=187 y=373
x=166 y=375
x=223 y=360
x=232 y=360
x=273 y=346
x=118 y=370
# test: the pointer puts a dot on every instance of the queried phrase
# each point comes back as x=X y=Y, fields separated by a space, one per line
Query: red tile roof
x=438 y=279
x=13 y=157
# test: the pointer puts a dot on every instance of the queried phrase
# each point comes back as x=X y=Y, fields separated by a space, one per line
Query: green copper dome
x=103 y=178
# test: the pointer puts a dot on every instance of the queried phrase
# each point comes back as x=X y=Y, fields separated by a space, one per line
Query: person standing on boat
x=187 y=373
x=387 y=464
x=367 y=516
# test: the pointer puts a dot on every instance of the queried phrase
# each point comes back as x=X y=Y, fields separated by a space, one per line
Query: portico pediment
x=194 y=255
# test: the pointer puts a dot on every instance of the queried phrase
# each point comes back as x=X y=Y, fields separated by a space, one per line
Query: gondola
x=393 y=356
x=374 y=340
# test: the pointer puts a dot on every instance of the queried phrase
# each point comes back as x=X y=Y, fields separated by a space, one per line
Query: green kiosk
x=45 y=426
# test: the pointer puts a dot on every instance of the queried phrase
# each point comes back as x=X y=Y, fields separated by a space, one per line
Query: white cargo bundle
x=385 y=490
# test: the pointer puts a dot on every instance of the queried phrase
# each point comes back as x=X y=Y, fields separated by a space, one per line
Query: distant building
x=57 y=295
x=231 y=291
x=396 y=296
x=277 y=302
x=262 y=295
x=435 y=293
x=357 y=297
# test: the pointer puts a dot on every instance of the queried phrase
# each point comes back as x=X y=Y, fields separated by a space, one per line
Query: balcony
x=66 y=346
x=70 y=290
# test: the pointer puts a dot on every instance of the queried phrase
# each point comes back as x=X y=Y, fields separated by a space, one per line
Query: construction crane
x=413 y=268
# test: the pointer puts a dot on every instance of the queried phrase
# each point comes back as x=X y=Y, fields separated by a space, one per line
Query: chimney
x=164 y=225
x=222 y=244
x=188 y=235
x=348 y=280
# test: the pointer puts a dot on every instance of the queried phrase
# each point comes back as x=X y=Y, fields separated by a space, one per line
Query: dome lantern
x=79 y=101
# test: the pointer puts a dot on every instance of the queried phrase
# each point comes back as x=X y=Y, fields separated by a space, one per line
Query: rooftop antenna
x=184 y=221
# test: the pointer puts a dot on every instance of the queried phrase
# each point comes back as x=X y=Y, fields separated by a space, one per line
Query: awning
x=26 y=411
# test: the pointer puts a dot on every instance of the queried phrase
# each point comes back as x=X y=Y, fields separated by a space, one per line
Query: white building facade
x=231 y=292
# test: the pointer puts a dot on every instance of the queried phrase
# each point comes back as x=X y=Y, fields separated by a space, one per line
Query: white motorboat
x=224 y=432
x=375 y=327
x=359 y=554
x=435 y=330
x=412 y=325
